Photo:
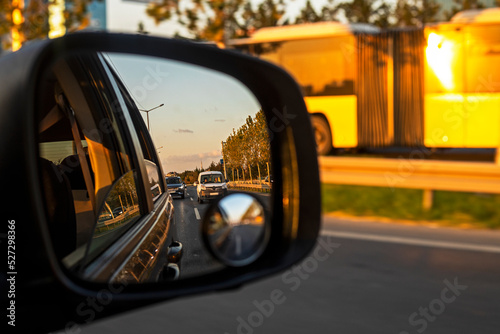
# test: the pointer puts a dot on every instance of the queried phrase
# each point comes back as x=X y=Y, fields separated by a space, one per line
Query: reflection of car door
x=140 y=239
x=159 y=252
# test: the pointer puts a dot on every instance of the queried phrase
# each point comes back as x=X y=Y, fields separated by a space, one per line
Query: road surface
x=363 y=277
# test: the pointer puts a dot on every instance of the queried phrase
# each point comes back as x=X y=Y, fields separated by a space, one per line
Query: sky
x=125 y=16
x=201 y=107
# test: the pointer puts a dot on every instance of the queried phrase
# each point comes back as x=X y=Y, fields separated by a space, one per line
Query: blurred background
x=404 y=98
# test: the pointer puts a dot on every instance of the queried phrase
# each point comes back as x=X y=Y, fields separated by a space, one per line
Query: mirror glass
x=135 y=150
x=235 y=229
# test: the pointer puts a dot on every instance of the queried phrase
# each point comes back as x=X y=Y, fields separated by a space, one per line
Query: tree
x=416 y=12
x=308 y=15
x=248 y=146
x=262 y=140
x=367 y=11
x=460 y=5
x=35 y=24
x=218 y=20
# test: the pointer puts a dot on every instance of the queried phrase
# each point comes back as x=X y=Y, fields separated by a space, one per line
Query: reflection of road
x=241 y=241
x=196 y=259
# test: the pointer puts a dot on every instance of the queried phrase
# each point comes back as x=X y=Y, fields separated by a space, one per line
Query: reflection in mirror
x=235 y=229
x=117 y=216
x=119 y=209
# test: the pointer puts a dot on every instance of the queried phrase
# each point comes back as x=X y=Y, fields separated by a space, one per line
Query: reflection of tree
x=253 y=214
x=123 y=194
x=248 y=145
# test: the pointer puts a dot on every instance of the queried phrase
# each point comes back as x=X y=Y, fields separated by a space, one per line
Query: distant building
x=97 y=11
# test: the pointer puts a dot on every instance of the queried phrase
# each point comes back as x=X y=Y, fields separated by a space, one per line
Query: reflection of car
x=126 y=188
x=175 y=186
x=117 y=212
x=210 y=185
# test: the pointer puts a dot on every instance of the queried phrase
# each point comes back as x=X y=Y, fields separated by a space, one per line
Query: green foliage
x=366 y=11
x=248 y=146
x=451 y=208
x=416 y=12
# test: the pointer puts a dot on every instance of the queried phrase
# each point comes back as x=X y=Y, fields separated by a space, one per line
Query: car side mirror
x=104 y=182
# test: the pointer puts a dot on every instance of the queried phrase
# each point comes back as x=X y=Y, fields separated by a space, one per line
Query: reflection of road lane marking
x=197 y=214
x=191 y=199
x=237 y=239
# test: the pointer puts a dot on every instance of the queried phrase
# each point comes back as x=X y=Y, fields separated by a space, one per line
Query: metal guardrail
x=429 y=175
x=266 y=187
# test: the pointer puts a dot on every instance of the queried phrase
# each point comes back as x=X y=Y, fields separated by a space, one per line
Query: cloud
x=183 y=131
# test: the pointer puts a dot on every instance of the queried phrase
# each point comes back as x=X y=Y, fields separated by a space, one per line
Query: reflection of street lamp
x=147 y=111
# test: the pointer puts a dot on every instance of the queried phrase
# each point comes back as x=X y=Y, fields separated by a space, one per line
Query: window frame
x=118 y=252
x=145 y=141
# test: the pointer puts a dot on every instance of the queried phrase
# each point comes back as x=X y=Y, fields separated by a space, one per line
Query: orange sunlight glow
x=439 y=53
x=56 y=18
x=17 y=19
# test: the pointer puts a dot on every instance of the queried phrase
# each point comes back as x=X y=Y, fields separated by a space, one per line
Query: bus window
x=444 y=61
x=322 y=66
x=483 y=59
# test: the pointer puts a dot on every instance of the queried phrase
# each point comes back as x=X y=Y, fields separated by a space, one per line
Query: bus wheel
x=322 y=135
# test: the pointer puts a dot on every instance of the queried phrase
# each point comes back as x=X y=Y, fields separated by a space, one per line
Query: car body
x=210 y=185
x=176 y=187
x=120 y=211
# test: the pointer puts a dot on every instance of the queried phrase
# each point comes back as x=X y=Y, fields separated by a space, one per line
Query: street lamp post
x=147 y=112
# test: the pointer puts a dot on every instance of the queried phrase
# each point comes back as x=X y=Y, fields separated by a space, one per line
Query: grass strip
x=449 y=208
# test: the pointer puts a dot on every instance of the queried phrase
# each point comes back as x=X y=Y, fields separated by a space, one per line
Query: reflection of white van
x=210 y=185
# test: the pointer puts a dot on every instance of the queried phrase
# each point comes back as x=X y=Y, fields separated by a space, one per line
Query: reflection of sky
x=235 y=206
x=201 y=107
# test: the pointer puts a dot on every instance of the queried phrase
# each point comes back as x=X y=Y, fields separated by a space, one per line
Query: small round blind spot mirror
x=236 y=229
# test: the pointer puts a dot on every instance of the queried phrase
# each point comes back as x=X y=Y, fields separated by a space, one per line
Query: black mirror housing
x=48 y=297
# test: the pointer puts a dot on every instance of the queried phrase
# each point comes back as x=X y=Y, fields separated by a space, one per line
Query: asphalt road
x=196 y=260
x=363 y=277
x=188 y=213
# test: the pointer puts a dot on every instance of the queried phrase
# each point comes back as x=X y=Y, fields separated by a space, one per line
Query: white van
x=210 y=185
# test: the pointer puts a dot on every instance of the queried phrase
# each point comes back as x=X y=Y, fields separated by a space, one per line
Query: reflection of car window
x=117 y=198
x=123 y=198
x=148 y=149
x=174 y=180
x=90 y=158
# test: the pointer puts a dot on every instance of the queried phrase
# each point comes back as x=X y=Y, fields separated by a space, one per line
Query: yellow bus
x=437 y=87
